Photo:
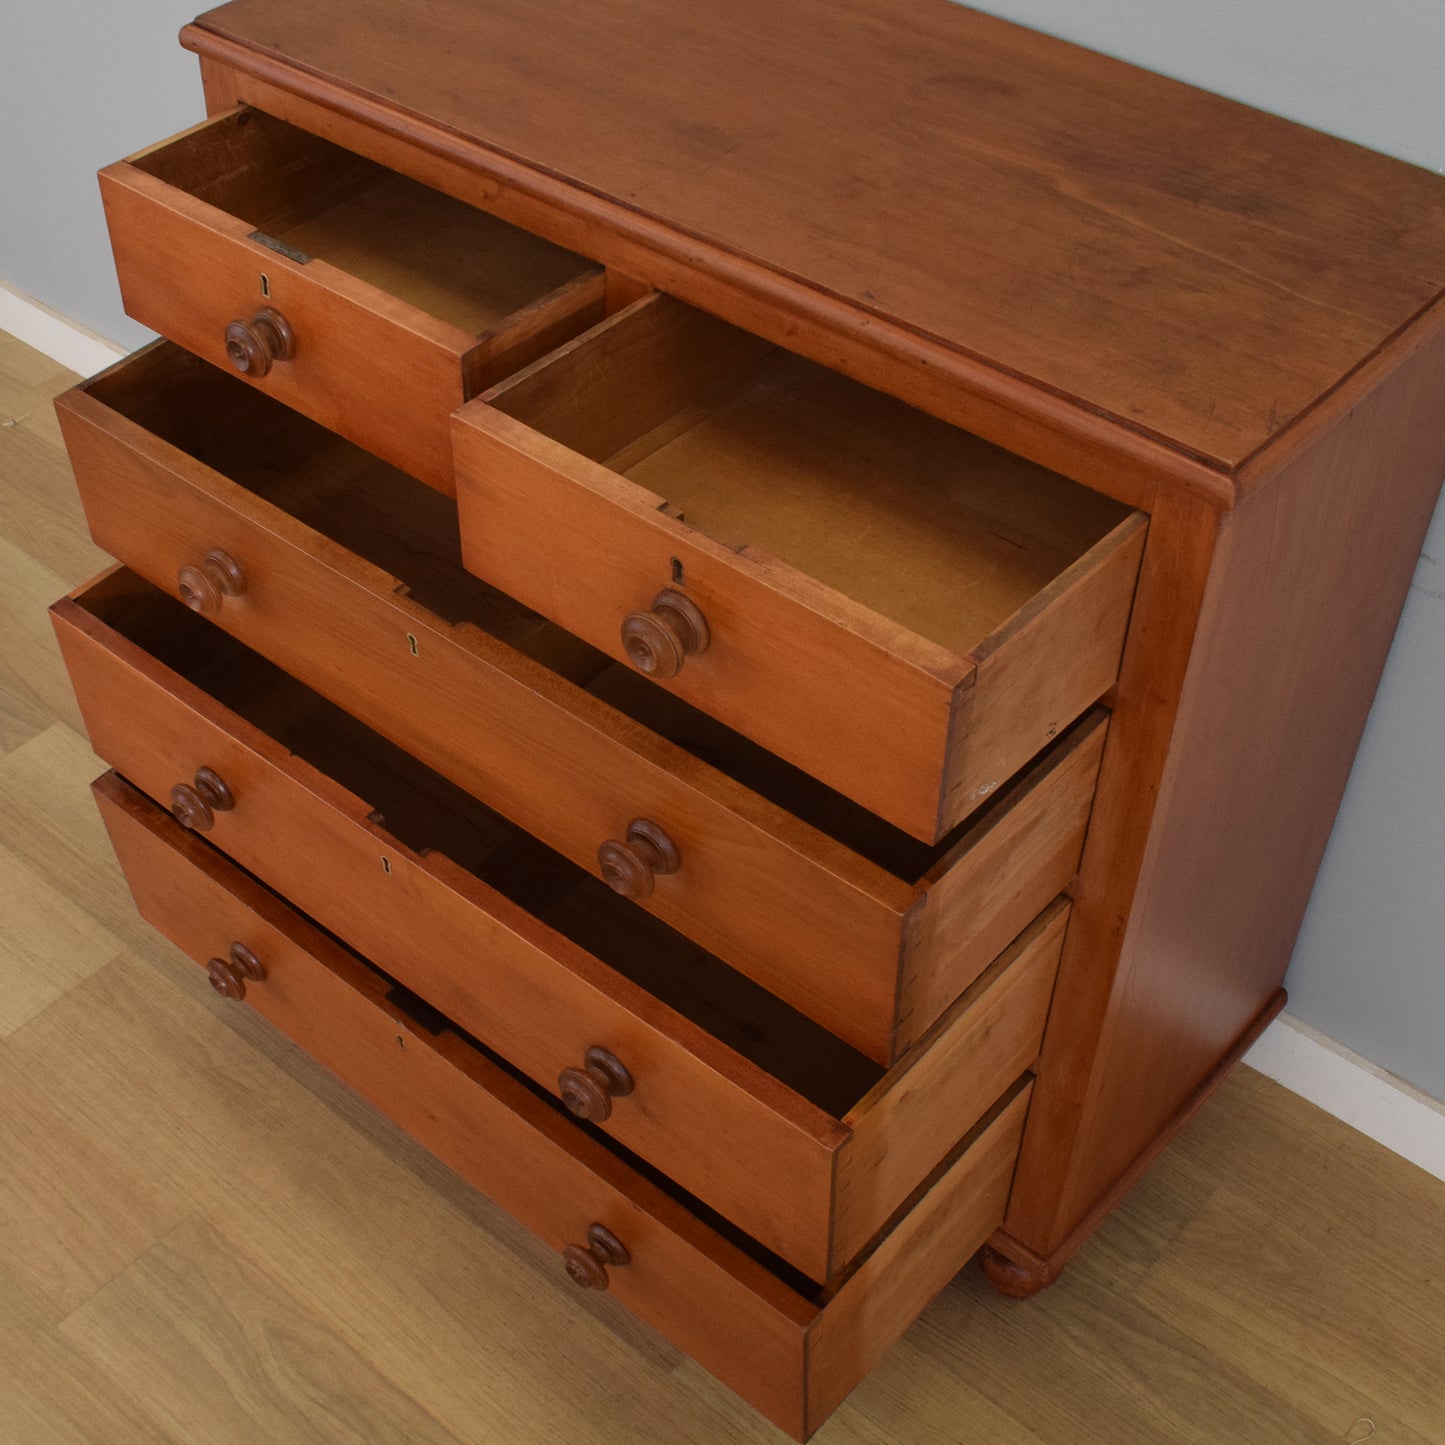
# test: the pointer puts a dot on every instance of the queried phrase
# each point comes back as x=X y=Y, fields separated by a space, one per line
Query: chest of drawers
x=776 y=609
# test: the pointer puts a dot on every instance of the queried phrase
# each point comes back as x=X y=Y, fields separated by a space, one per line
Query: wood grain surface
x=791 y=1351
x=384 y=352
x=1274 y=1277
x=438 y=927
x=1228 y=264
x=1307 y=585
x=825 y=927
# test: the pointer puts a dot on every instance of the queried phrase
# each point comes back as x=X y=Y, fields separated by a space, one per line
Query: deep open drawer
x=899 y=608
x=395 y=302
x=853 y=923
x=795 y=1137
x=791 y=1349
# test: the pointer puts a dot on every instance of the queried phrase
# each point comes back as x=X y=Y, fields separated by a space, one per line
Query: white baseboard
x=59 y=338
x=1307 y=1063
x=1351 y=1088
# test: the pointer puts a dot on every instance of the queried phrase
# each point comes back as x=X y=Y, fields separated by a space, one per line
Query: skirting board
x=59 y=338
x=1351 y=1088
x=1306 y=1062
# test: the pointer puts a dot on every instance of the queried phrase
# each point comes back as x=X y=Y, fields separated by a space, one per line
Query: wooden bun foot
x=1008 y=1277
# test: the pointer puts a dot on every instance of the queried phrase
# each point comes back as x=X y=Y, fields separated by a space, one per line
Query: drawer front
x=823 y=928
x=362 y=361
x=519 y=987
x=557 y=510
x=816 y=1186
x=791 y=1355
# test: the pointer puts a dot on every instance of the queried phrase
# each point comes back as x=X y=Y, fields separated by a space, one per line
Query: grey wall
x=83 y=85
x=80 y=86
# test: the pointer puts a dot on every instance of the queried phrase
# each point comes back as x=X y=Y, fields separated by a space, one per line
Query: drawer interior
x=917 y=520
x=446 y=258
x=410 y=530
x=426 y=812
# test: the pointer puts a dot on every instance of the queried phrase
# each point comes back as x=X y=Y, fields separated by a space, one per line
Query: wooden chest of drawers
x=776 y=612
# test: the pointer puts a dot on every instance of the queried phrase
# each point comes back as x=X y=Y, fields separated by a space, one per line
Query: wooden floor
x=205 y=1240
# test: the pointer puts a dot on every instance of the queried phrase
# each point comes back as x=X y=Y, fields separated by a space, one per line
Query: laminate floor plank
x=214 y=1348
x=1319 y=1267
x=75 y=1208
x=51 y=1393
x=27 y=375
x=51 y=824
x=40 y=510
x=34 y=689
x=48 y=944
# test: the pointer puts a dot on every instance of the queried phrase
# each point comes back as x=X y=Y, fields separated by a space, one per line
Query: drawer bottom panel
x=791 y=1350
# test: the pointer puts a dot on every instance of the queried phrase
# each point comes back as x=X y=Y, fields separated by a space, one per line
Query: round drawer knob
x=253 y=345
x=203 y=588
x=195 y=805
x=629 y=867
x=588 y=1092
x=658 y=642
x=587 y=1267
x=228 y=976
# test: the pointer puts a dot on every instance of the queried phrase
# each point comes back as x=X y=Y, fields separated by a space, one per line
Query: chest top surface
x=1181 y=264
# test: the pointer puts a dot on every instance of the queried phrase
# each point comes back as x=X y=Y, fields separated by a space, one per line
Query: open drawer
x=359 y=296
x=793 y=1350
x=904 y=611
x=292 y=540
x=798 y=1139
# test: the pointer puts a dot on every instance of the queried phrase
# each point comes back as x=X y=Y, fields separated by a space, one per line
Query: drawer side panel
x=941 y=1088
x=941 y=1233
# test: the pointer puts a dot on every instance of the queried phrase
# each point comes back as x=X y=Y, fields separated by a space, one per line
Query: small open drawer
x=899 y=608
x=792 y=1349
x=359 y=296
x=293 y=540
x=796 y=1138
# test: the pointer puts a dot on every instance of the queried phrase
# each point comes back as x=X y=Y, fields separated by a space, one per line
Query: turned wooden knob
x=658 y=642
x=588 y=1092
x=203 y=588
x=588 y=1267
x=253 y=345
x=228 y=975
x=196 y=804
x=629 y=867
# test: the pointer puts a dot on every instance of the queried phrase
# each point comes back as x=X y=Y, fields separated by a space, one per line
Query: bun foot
x=1008 y=1277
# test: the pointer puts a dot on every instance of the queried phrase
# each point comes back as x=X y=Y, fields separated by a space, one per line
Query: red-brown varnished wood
x=1304 y=589
x=792 y=1352
x=1222 y=262
x=815 y=1187
x=186 y=222
x=1050 y=430
x=823 y=926
x=707 y=1296
x=901 y=610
